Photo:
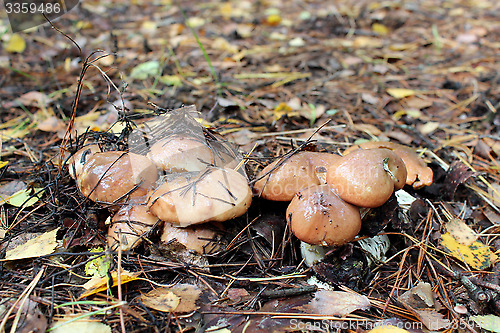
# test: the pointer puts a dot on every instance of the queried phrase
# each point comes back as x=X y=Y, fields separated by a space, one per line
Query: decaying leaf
x=489 y=322
x=422 y=301
x=32 y=320
x=79 y=326
x=461 y=232
x=98 y=284
x=476 y=255
x=36 y=247
x=335 y=303
x=180 y=298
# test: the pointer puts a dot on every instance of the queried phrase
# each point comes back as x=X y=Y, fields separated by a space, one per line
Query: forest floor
x=269 y=76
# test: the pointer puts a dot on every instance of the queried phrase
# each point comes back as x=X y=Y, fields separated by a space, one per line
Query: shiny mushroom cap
x=213 y=195
x=367 y=177
x=280 y=180
x=129 y=224
x=78 y=160
x=418 y=173
x=317 y=216
x=181 y=154
x=110 y=177
x=197 y=238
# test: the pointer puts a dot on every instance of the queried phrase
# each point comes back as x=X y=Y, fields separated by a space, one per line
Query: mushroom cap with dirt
x=114 y=176
x=180 y=154
x=215 y=194
x=280 y=180
x=129 y=224
x=318 y=216
x=367 y=177
x=418 y=173
x=198 y=238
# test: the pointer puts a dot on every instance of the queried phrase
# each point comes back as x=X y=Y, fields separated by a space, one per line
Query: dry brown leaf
x=335 y=303
x=180 y=298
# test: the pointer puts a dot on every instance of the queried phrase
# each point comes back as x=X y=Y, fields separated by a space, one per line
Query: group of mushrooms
x=180 y=180
x=327 y=191
x=183 y=181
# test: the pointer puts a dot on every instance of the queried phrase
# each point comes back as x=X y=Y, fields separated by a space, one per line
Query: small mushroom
x=78 y=160
x=197 y=238
x=129 y=224
x=181 y=154
x=367 y=177
x=418 y=173
x=112 y=176
x=213 y=195
x=318 y=216
x=280 y=181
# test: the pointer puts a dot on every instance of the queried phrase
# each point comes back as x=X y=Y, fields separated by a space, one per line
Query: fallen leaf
x=51 y=124
x=16 y=44
x=3 y=163
x=79 y=326
x=146 y=69
x=99 y=266
x=380 y=29
x=461 y=232
x=429 y=127
x=31 y=98
x=180 y=298
x=422 y=301
x=477 y=255
x=36 y=247
x=400 y=92
x=32 y=320
x=335 y=303
x=489 y=322
x=25 y=197
x=98 y=284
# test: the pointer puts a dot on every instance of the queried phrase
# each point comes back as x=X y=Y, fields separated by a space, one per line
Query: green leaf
x=99 y=266
x=146 y=69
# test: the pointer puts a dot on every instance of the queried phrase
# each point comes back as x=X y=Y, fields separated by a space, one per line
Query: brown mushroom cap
x=297 y=172
x=180 y=154
x=78 y=160
x=367 y=177
x=129 y=224
x=317 y=216
x=213 y=195
x=415 y=166
x=110 y=176
x=197 y=238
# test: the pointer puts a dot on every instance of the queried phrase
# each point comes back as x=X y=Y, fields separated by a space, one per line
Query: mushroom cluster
x=327 y=191
x=180 y=179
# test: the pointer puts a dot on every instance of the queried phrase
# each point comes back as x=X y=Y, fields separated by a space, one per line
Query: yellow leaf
x=477 y=255
x=98 y=284
x=36 y=247
x=15 y=44
x=380 y=29
x=273 y=19
x=400 y=92
x=3 y=163
x=428 y=127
